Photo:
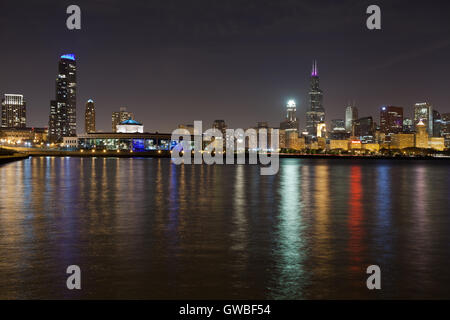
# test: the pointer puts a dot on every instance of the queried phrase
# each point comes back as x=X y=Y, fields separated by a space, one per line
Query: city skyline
x=224 y=152
x=67 y=64
x=218 y=76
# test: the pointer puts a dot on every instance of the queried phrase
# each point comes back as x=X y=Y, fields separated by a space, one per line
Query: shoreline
x=167 y=154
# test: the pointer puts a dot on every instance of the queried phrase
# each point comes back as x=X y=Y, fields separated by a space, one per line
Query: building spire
x=315 y=71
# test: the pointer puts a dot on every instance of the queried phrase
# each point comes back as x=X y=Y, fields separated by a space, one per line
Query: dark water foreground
x=145 y=228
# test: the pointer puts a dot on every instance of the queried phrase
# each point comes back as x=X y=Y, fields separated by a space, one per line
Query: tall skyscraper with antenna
x=316 y=113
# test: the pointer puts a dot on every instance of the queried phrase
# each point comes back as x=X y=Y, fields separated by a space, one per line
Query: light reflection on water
x=145 y=228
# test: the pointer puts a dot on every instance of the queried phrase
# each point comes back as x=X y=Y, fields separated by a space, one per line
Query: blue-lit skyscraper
x=63 y=110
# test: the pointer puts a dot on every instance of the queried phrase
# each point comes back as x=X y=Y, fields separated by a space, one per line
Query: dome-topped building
x=130 y=126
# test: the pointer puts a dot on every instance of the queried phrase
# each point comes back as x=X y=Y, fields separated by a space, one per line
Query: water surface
x=145 y=228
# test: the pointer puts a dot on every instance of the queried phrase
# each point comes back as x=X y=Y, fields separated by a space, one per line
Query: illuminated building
x=351 y=115
x=338 y=131
x=446 y=128
x=63 y=110
x=380 y=137
x=321 y=130
x=316 y=113
x=391 y=119
x=355 y=145
x=436 y=143
x=437 y=124
x=138 y=142
x=294 y=142
x=89 y=117
x=70 y=142
x=424 y=112
x=421 y=136
x=372 y=147
x=14 y=113
x=282 y=139
x=408 y=125
x=322 y=143
x=21 y=135
x=445 y=123
x=402 y=141
x=313 y=145
x=291 y=122
x=365 y=129
x=130 y=126
x=338 y=145
x=120 y=116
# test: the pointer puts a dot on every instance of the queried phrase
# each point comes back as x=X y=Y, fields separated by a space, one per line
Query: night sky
x=173 y=62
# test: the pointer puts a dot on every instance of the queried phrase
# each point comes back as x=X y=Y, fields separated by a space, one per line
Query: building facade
x=351 y=115
x=130 y=126
x=364 y=129
x=290 y=123
x=294 y=142
x=408 y=125
x=436 y=143
x=120 y=116
x=424 y=112
x=402 y=141
x=89 y=117
x=21 y=135
x=338 y=130
x=437 y=124
x=446 y=128
x=136 y=142
x=63 y=110
x=421 y=136
x=391 y=119
x=14 y=112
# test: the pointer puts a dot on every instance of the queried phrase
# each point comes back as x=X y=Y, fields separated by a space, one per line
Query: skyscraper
x=391 y=119
x=89 y=117
x=316 y=113
x=290 y=123
x=120 y=116
x=445 y=131
x=424 y=111
x=421 y=136
x=445 y=123
x=408 y=125
x=351 y=114
x=365 y=129
x=63 y=110
x=437 y=124
x=14 y=111
x=338 y=131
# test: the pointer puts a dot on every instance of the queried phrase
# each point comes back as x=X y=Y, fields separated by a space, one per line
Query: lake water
x=145 y=228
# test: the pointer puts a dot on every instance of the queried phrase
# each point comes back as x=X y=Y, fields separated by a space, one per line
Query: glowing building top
x=69 y=56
